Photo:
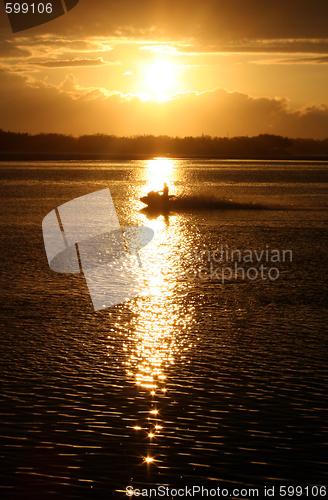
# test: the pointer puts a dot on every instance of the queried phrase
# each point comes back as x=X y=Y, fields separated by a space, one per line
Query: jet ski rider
x=165 y=191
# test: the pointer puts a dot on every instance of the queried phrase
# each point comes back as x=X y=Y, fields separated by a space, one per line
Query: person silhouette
x=166 y=190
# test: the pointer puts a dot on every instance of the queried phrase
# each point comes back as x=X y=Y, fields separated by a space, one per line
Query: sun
x=161 y=77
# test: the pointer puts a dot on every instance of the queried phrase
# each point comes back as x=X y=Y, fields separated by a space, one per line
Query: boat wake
x=192 y=203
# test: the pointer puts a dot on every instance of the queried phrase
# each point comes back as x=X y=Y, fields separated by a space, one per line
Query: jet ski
x=157 y=201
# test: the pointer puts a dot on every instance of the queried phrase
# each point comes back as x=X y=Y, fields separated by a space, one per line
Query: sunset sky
x=174 y=67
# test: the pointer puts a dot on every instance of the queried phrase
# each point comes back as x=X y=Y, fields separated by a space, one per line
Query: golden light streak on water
x=160 y=170
x=156 y=332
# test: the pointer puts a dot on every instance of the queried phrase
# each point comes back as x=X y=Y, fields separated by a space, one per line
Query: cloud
x=20 y=48
x=209 y=21
x=74 y=63
x=298 y=60
x=8 y=49
x=69 y=108
x=293 y=60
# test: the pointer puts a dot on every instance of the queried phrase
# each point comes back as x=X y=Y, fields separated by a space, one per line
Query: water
x=192 y=383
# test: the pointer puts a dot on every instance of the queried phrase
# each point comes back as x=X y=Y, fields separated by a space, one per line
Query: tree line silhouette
x=263 y=145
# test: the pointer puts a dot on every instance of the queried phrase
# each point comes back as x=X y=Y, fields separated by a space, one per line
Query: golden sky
x=130 y=67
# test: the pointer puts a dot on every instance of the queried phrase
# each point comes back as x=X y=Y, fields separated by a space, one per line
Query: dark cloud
x=209 y=20
x=73 y=63
x=316 y=46
x=9 y=50
x=304 y=60
x=57 y=43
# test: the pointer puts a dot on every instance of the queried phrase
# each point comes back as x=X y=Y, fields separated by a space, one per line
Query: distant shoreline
x=6 y=156
x=99 y=147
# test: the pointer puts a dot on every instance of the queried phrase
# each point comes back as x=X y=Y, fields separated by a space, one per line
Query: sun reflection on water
x=158 y=320
x=154 y=344
x=159 y=170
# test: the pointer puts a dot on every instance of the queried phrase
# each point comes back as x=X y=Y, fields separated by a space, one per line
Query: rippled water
x=193 y=382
